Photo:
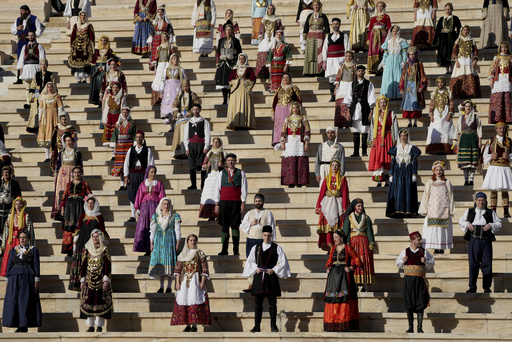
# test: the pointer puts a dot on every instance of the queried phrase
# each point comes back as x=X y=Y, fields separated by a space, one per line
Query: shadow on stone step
x=120 y=285
x=240 y=137
x=476 y=305
x=220 y=323
x=296 y=322
x=70 y=326
x=291 y=228
x=442 y=322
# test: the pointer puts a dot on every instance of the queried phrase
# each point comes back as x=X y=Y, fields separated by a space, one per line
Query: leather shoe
x=187 y=329
x=91 y=329
x=274 y=328
x=131 y=219
x=255 y=329
x=99 y=329
x=471 y=291
x=160 y=290
x=193 y=329
x=168 y=290
x=223 y=253
x=487 y=291
x=26 y=106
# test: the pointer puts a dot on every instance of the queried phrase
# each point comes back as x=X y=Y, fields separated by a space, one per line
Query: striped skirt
x=123 y=144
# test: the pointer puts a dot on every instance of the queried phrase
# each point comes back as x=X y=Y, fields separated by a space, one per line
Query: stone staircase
x=142 y=314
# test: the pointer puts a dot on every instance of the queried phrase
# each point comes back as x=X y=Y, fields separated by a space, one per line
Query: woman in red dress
x=332 y=202
x=380 y=24
x=383 y=137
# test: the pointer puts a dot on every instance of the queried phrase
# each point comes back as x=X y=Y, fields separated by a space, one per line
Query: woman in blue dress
x=165 y=236
x=143 y=16
x=403 y=189
x=393 y=60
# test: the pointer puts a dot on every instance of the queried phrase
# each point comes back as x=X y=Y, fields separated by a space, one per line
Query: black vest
x=488 y=219
x=360 y=95
x=198 y=128
x=40 y=82
x=267 y=285
x=141 y=157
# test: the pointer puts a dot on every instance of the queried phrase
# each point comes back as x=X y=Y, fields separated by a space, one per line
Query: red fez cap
x=140 y=132
x=413 y=235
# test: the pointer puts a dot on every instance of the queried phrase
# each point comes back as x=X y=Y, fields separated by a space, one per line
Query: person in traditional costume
x=98 y=68
x=90 y=220
x=197 y=138
x=438 y=207
x=500 y=75
x=143 y=16
x=192 y=306
x=378 y=29
x=258 y=11
x=424 y=30
x=285 y=95
x=304 y=10
x=403 y=190
x=345 y=76
x=316 y=28
x=203 y=21
x=415 y=261
x=341 y=312
x=228 y=50
x=266 y=263
x=221 y=33
x=174 y=75
x=96 y=304
x=161 y=60
x=241 y=113
x=72 y=13
x=57 y=144
x=295 y=137
x=9 y=190
x=269 y=26
x=497 y=154
x=359 y=101
x=72 y=207
x=123 y=138
x=137 y=160
x=230 y=197
x=22 y=307
x=82 y=49
x=469 y=140
x=384 y=135
x=161 y=25
x=113 y=101
x=21 y=27
x=150 y=192
x=17 y=222
x=39 y=81
x=333 y=54
x=413 y=83
x=479 y=225
x=113 y=74
x=279 y=60
x=465 y=82
x=31 y=56
x=360 y=11
x=393 y=61
x=213 y=164
x=328 y=151
x=495 y=15
x=333 y=201
x=447 y=31
x=165 y=237
x=441 y=130
x=50 y=107
x=68 y=158
x=5 y=157
x=181 y=109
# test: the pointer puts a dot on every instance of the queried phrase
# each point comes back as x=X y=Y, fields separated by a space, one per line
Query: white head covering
x=3 y=151
x=187 y=254
x=241 y=68
x=163 y=220
x=96 y=210
x=93 y=250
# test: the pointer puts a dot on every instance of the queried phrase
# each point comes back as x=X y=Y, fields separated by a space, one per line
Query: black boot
x=357 y=140
x=420 y=322
x=193 y=182
x=258 y=312
x=236 y=243
x=203 y=177
x=225 y=93
x=332 y=86
x=410 y=318
x=272 y=310
x=506 y=214
x=18 y=81
x=364 y=144
x=224 y=239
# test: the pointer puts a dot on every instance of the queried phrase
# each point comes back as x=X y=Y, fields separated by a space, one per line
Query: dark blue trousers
x=480 y=257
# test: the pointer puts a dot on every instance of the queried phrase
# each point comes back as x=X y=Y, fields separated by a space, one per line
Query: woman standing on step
x=174 y=75
x=465 y=82
x=316 y=28
x=341 y=312
x=393 y=60
x=228 y=50
x=380 y=23
x=424 y=30
x=344 y=78
x=413 y=84
x=82 y=49
x=403 y=189
x=447 y=31
x=113 y=101
x=72 y=207
x=494 y=30
x=160 y=63
x=241 y=105
x=285 y=95
x=113 y=74
x=258 y=11
x=56 y=145
x=333 y=200
x=99 y=66
x=123 y=138
x=17 y=222
x=143 y=15
x=9 y=190
x=23 y=310
x=270 y=24
x=50 y=107
x=360 y=11
x=438 y=207
x=295 y=137
x=203 y=21
x=150 y=192
x=89 y=221
x=165 y=238
x=500 y=74
x=161 y=25
x=228 y=16
x=191 y=306
x=469 y=137
x=214 y=163
x=68 y=158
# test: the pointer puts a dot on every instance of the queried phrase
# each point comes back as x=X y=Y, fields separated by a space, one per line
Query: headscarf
x=95 y=210
x=376 y=118
x=147 y=171
x=470 y=117
x=338 y=176
x=188 y=254
x=93 y=250
x=79 y=24
x=335 y=130
x=106 y=46
x=480 y=195
x=412 y=49
x=271 y=18
x=21 y=220
x=383 y=10
x=158 y=17
x=163 y=221
x=3 y=151
x=406 y=131
x=352 y=207
x=389 y=36
x=47 y=96
x=241 y=68
x=285 y=87
x=219 y=149
x=461 y=36
x=119 y=99
x=274 y=40
x=121 y=119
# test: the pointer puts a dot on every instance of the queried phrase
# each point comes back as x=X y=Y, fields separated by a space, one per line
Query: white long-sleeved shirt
x=246 y=227
x=207 y=131
x=37 y=23
x=480 y=220
x=429 y=259
x=487 y=156
x=21 y=60
x=281 y=269
x=219 y=186
x=358 y=115
x=126 y=166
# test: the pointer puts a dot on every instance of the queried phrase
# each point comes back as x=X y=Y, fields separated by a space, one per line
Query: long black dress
x=9 y=191
x=227 y=55
x=94 y=301
x=447 y=32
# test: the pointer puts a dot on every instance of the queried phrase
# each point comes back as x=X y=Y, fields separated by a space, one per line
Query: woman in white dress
x=424 y=30
x=438 y=206
x=213 y=161
x=203 y=21
x=164 y=51
x=441 y=131
x=174 y=75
